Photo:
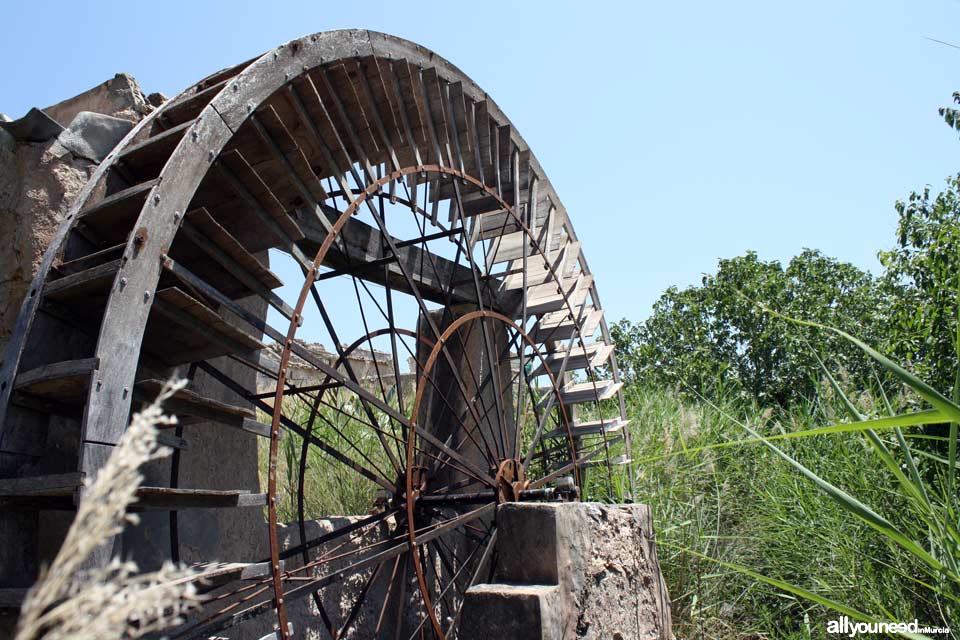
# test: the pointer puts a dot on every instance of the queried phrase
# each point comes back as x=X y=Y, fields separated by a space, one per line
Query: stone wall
x=45 y=159
x=571 y=570
x=563 y=571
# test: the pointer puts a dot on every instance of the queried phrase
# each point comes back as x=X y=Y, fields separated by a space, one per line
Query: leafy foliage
x=715 y=338
x=922 y=280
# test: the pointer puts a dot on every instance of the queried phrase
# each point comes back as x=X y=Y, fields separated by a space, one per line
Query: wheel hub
x=511 y=480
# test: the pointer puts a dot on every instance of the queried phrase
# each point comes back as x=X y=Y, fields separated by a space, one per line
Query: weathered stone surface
x=39 y=180
x=519 y=612
x=7 y=142
x=623 y=594
x=156 y=98
x=36 y=126
x=120 y=97
x=36 y=190
x=602 y=558
x=92 y=136
x=336 y=599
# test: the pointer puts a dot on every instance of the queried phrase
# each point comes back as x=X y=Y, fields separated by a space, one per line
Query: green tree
x=922 y=280
x=717 y=339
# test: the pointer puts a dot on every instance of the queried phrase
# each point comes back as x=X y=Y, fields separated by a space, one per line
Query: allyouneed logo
x=844 y=626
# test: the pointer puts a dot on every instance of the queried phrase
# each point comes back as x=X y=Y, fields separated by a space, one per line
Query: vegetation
x=329 y=489
x=716 y=339
x=796 y=473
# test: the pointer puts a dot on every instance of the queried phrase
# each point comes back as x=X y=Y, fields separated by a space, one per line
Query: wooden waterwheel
x=469 y=363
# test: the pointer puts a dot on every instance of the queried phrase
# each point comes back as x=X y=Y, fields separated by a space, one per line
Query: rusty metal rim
x=310 y=276
x=305 y=448
x=411 y=441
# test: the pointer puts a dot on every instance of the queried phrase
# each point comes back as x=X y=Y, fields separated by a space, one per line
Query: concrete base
x=571 y=570
x=519 y=612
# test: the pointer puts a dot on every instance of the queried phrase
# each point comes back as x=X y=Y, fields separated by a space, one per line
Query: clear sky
x=675 y=133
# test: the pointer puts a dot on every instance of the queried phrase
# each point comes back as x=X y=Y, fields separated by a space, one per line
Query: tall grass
x=716 y=498
x=330 y=488
x=778 y=524
x=769 y=523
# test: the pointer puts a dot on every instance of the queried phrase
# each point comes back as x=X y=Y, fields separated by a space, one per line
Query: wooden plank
x=172 y=441
x=592 y=357
x=190 y=106
x=484 y=141
x=231 y=249
x=435 y=112
x=212 y=575
x=247 y=183
x=551 y=288
x=391 y=81
x=589 y=391
x=459 y=117
x=59 y=381
x=537 y=271
x=85 y=283
x=146 y=159
x=546 y=301
x=380 y=81
x=593 y=427
x=112 y=218
x=411 y=99
x=510 y=247
x=559 y=325
x=216 y=267
x=167 y=499
x=61 y=484
x=190 y=407
x=380 y=107
x=364 y=244
x=503 y=155
x=88 y=261
x=620 y=460
x=147 y=499
x=206 y=333
x=275 y=132
x=225 y=74
x=345 y=78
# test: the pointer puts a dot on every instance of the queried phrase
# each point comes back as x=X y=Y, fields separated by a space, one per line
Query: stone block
x=518 y=612
x=601 y=557
x=92 y=135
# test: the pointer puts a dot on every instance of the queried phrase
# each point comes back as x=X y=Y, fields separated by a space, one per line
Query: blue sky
x=675 y=133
